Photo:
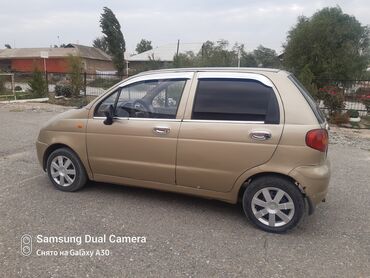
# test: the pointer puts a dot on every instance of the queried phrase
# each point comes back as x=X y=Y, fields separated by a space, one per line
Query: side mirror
x=109 y=115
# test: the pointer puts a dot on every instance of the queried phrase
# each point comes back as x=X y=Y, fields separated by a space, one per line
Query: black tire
x=80 y=177
x=273 y=184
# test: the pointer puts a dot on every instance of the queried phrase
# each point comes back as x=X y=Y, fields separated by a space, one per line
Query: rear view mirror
x=109 y=114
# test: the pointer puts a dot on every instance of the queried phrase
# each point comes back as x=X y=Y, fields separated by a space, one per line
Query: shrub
x=366 y=101
x=76 y=67
x=333 y=99
x=339 y=118
x=2 y=84
x=67 y=91
x=353 y=113
x=17 y=88
x=58 y=90
x=38 y=84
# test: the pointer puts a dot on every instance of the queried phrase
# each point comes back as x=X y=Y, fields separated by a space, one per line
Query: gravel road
x=185 y=236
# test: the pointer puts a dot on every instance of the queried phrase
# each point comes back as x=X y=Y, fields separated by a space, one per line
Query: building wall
x=58 y=65
x=28 y=65
x=93 y=65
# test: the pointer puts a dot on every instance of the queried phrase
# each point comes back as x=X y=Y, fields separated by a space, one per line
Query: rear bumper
x=314 y=180
x=40 y=149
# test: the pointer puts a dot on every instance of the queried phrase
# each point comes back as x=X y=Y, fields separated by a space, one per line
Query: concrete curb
x=25 y=100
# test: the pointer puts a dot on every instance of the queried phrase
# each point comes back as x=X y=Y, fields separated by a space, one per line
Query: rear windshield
x=315 y=108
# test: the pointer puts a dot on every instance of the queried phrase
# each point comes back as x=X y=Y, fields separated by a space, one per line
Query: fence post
x=85 y=83
x=13 y=87
x=47 y=82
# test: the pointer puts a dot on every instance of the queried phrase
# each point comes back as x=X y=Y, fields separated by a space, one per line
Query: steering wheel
x=142 y=109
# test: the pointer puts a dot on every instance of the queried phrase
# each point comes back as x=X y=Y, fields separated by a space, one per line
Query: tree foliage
x=219 y=54
x=101 y=43
x=330 y=44
x=266 y=57
x=76 y=74
x=143 y=45
x=7 y=46
x=116 y=45
x=38 y=84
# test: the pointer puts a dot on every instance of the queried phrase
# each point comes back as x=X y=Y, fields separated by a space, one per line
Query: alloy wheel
x=62 y=170
x=273 y=206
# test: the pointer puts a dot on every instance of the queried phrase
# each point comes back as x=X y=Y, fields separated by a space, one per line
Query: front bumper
x=314 y=180
x=40 y=149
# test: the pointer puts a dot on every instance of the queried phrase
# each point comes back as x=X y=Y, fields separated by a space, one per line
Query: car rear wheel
x=273 y=204
x=65 y=170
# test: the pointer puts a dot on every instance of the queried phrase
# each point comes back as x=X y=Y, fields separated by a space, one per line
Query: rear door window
x=230 y=99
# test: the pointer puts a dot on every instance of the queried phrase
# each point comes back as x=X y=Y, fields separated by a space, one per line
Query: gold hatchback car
x=232 y=134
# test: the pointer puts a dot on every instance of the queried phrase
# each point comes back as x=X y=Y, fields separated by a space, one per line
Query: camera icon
x=26 y=245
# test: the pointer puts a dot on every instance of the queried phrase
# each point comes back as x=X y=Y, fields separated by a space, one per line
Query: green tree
x=330 y=44
x=216 y=55
x=248 y=60
x=101 y=43
x=266 y=57
x=38 y=84
x=184 y=60
x=307 y=79
x=7 y=46
x=143 y=45
x=76 y=74
x=116 y=45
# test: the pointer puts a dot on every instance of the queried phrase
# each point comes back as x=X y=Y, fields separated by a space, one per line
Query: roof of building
x=166 y=52
x=71 y=49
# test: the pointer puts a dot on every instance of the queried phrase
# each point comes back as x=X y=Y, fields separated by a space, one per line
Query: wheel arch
x=56 y=146
x=264 y=174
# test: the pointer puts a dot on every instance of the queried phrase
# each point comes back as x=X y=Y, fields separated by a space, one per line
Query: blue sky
x=38 y=23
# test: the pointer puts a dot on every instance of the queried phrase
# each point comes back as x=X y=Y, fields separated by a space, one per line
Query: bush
x=58 y=90
x=2 y=84
x=38 y=84
x=339 y=118
x=353 y=113
x=366 y=101
x=18 y=88
x=67 y=91
x=76 y=67
x=333 y=99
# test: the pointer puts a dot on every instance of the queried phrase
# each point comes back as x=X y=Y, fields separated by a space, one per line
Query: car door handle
x=260 y=135
x=161 y=130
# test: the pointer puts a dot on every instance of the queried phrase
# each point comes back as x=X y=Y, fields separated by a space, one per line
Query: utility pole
x=178 y=48
x=239 y=56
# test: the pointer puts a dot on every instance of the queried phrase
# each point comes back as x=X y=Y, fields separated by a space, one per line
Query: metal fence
x=91 y=84
x=356 y=93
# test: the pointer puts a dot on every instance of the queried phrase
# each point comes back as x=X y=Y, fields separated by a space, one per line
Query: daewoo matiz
x=253 y=135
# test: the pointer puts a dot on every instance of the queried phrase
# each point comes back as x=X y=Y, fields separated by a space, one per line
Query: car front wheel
x=65 y=170
x=273 y=204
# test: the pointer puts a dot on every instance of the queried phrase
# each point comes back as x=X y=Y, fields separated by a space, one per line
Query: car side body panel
x=216 y=166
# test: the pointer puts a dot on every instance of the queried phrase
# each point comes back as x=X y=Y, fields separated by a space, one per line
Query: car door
x=141 y=142
x=233 y=122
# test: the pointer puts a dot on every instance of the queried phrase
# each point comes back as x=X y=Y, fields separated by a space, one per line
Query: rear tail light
x=318 y=139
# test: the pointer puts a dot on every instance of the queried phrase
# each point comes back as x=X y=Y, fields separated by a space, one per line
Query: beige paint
x=211 y=159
